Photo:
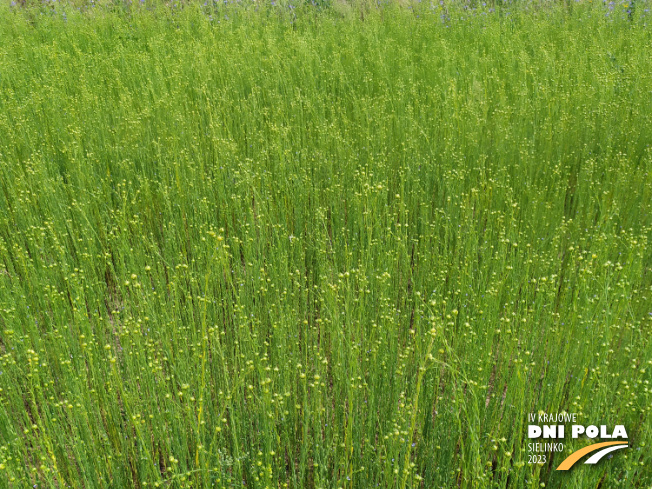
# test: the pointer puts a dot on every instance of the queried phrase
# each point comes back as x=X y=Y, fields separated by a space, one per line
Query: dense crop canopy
x=294 y=246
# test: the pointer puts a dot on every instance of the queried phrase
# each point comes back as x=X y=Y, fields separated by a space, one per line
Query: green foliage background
x=285 y=246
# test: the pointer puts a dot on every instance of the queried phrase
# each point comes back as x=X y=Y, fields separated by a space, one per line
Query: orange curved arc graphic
x=575 y=456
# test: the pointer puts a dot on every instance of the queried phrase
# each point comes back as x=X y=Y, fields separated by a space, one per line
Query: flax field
x=322 y=245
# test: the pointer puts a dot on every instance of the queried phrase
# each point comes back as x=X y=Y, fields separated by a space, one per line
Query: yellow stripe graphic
x=575 y=456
